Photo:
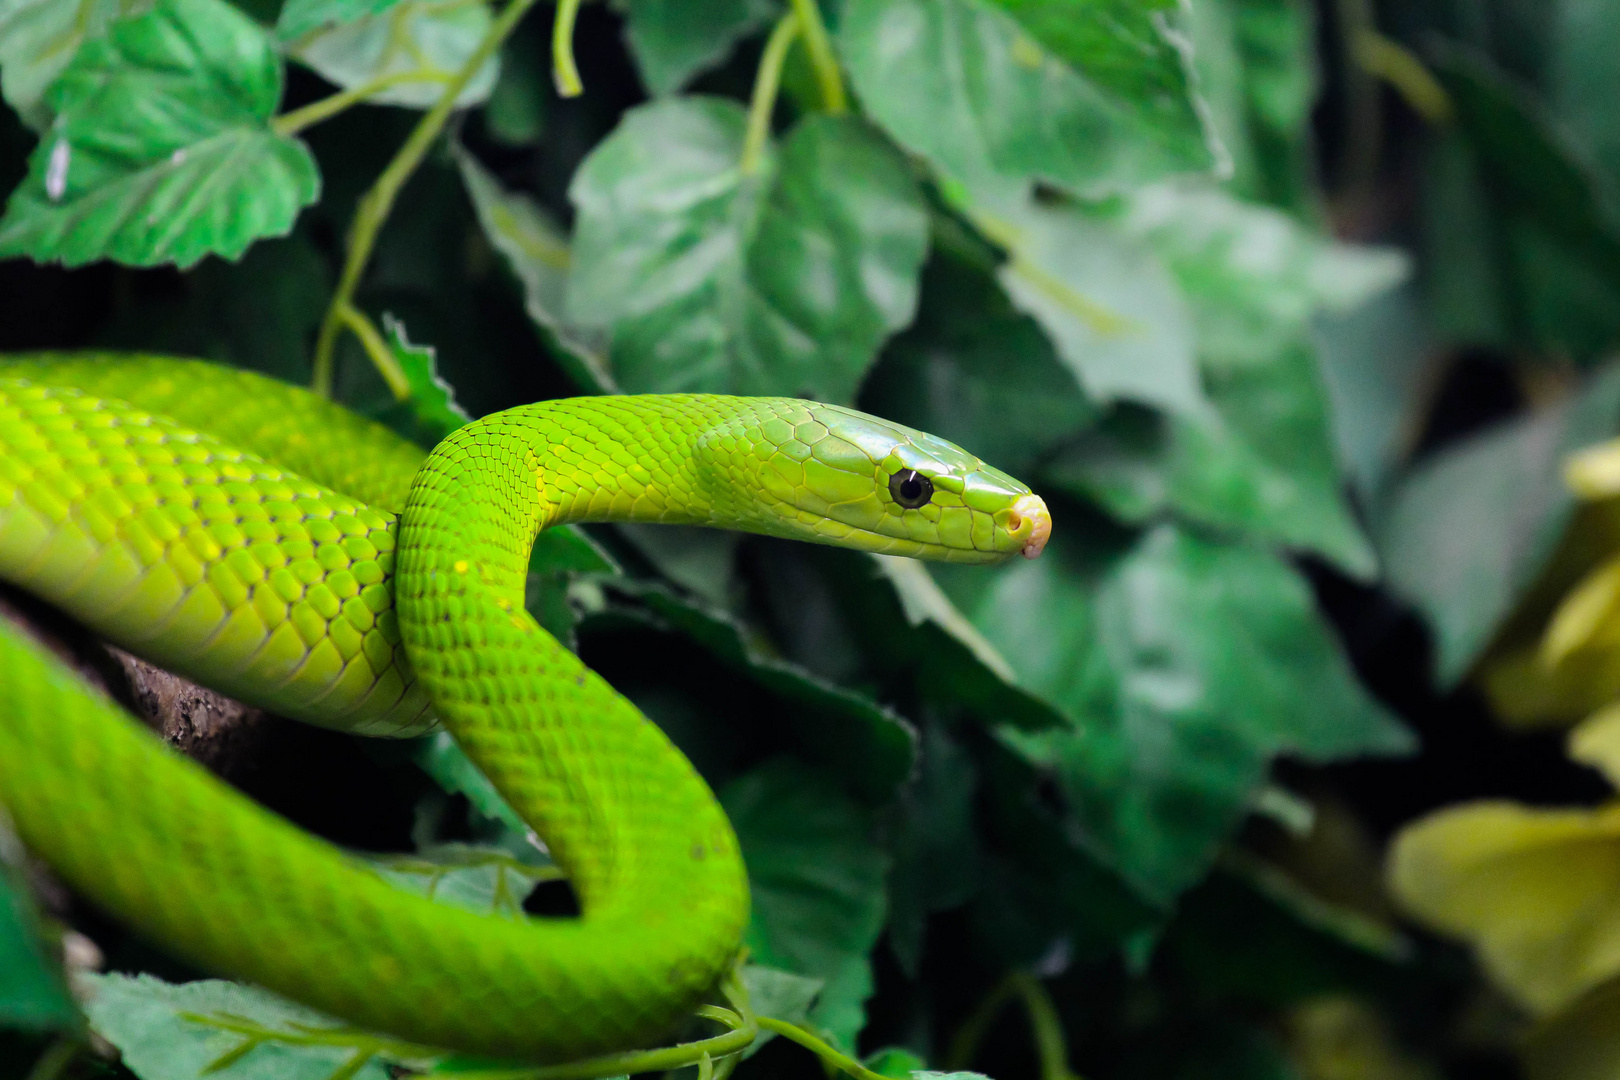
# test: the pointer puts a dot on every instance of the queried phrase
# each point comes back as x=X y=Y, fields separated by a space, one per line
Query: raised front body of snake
x=304 y=559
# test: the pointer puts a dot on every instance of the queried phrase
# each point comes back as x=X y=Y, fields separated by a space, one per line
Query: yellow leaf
x=1594 y=473
x=1537 y=892
x=1589 y=615
x=1597 y=742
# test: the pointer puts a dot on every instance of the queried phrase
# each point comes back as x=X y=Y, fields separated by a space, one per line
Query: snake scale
x=287 y=552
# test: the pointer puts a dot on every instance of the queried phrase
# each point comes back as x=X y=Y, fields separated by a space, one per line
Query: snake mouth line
x=1032 y=509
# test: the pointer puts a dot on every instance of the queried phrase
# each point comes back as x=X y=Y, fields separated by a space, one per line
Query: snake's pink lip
x=1031 y=508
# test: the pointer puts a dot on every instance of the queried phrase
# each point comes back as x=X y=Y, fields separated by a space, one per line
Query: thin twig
x=291 y=123
x=375 y=204
x=767 y=80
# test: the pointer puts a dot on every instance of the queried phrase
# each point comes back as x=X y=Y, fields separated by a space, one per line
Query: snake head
x=833 y=475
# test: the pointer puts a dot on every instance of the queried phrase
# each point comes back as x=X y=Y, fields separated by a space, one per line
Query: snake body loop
x=290 y=559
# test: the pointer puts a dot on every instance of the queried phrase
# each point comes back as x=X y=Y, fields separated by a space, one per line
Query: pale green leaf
x=39 y=37
x=674 y=42
x=161 y=150
x=993 y=109
x=417 y=46
x=784 y=281
x=165 y=1031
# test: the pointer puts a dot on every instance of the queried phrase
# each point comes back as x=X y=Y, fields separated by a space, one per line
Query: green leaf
x=895 y=1061
x=515 y=114
x=936 y=852
x=817 y=877
x=968 y=363
x=1523 y=233
x=1253 y=276
x=1186 y=666
x=1260 y=466
x=780 y=995
x=1468 y=531
x=963 y=84
x=430 y=412
x=672 y=43
x=868 y=746
x=1110 y=308
x=300 y=17
x=489 y=881
x=409 y=39
x=33 y=995
x=1256 y=63
x=161 y=150
x=39 y=37
x=1586 y=38
x=451 y=768
x=169 y=1032
x=785 y=281
x=537 y=251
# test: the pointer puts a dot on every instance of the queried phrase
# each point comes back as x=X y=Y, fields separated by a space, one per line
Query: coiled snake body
x=287 y=559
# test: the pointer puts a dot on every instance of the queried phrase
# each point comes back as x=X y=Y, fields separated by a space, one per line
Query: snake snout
x=1032 y=510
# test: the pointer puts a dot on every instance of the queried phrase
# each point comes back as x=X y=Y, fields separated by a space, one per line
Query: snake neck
x=465 y=539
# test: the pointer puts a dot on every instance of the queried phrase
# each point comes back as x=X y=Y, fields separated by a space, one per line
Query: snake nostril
x=1015 y=521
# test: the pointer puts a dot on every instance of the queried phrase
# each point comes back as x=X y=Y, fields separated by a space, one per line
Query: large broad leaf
x=1186 y=666
x=161 y=150
x=1586 y=40
x=536 y=249
x=32 y=992
x=1261 y=465
x=1469 y=530
x=1253 y=276
x=1256 y=63
x=672 y=43
x=868 y=746
x=1522 y=231
x=1104 y=299
x=785 y=281
x=300 y=17
x=817 y=877
x=38 y=38
x=225 y=1029
x=417 y=45
x=992 y=108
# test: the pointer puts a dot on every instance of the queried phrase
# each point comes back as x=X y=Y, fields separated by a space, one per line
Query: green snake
x=305 y=559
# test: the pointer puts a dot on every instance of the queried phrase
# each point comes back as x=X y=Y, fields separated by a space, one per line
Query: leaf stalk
x=564 y=72
x=767 y=82
x=819 y=45
x=376 y=204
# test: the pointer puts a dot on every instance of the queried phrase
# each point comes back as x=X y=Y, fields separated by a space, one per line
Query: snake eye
x=911 y=488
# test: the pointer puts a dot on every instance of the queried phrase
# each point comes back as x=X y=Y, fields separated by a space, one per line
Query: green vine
x=1045 y=1026
x=375 y=206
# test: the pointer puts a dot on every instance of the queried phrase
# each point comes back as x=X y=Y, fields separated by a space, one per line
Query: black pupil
x=911 y=489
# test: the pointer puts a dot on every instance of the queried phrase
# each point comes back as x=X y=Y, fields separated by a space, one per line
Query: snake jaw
x=1032 y=510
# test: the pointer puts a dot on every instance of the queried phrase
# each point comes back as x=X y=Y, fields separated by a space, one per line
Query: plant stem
x=822 y=59
x=377 y=348
x=57 y=1057
x=829 y=1056
x=292 y=123
x=563 y=70
x=376 y=203
x=1044 y=1025
x=767 y=81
